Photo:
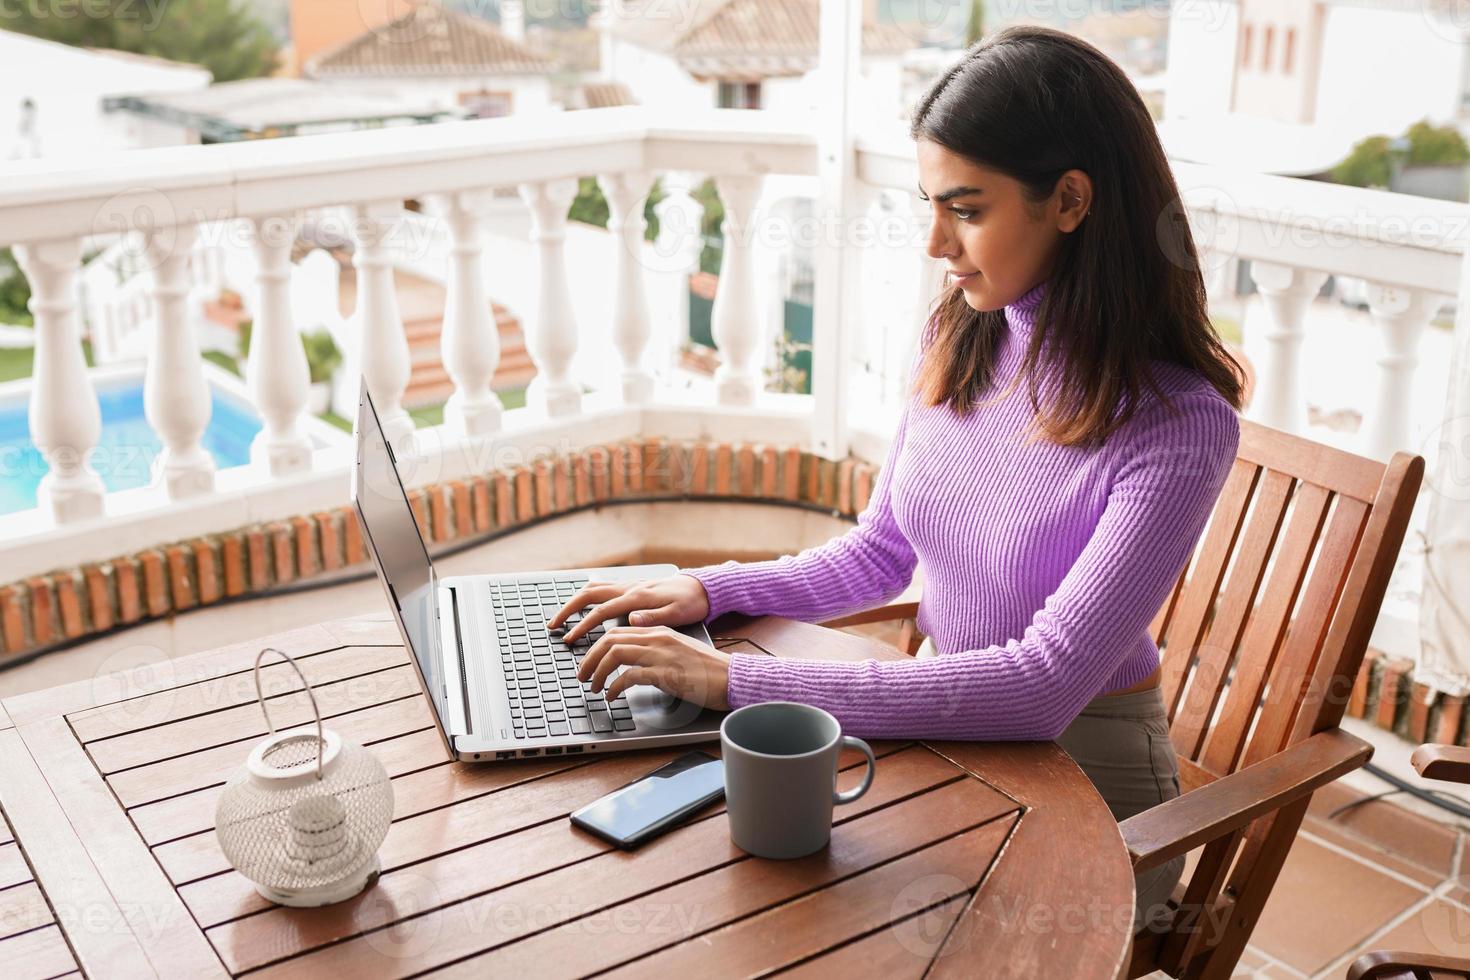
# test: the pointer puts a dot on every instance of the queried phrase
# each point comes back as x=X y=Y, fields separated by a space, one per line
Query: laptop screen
x=393 y=534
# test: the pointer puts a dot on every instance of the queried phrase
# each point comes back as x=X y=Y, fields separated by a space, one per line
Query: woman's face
x=990 y=230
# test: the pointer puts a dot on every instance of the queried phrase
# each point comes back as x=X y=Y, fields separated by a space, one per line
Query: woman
x=1073 y=421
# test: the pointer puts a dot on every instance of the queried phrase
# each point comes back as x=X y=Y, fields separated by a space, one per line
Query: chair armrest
x=882 y=614
x=1231 y=802
x=1448 y=762
x=1388 y=963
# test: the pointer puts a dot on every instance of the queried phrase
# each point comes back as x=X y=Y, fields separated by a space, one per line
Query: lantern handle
x=260 y=696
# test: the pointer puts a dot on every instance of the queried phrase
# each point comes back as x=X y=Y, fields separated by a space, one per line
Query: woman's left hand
x=663 y=657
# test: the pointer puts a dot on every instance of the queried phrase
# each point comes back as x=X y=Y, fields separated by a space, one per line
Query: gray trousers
x=1122 y=744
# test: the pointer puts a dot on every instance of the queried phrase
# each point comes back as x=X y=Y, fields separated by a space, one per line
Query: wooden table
x=973 y=859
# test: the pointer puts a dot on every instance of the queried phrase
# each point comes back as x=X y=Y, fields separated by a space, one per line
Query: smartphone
x=653 y=803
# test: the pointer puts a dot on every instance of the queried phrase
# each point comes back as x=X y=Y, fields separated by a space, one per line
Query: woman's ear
x=1074 y=191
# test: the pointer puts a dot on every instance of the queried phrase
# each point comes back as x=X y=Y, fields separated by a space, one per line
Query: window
x=1290 y=52
x=1245 y=45
x=485 y=104
x=740 y=95
x=1270 y=35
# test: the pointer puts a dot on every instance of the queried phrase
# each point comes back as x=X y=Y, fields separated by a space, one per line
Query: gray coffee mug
x=781 y=777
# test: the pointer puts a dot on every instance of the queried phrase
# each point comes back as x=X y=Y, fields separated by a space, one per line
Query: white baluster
x=470 y=342
x=386 y=360
x=553 y=328
x=65 y=419
x=735 y=319
x=678 y=244
x=276 y=368
x=625 y=195
x=1400 y=315
x=1286 y=292
x=175 y=394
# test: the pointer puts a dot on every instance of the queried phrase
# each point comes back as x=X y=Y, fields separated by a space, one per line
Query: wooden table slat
x=902 y=951
x=13 y=867
x=150 y=905
x=474 y=821
x=58 y=857
x=277 y=679
x=1055 y=891
x=211 y=767
x=506 y=914
x=193 y=812
x=808 y=926
x=246 y=721
x=23 y=907
x=36 y=955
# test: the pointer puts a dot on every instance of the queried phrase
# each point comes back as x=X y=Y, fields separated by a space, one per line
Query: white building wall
x=1385 y=68
x=1202 y=54
x=68 y=86
x=654 y=78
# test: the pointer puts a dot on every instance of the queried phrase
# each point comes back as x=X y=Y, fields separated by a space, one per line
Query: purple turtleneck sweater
x=1043 y=565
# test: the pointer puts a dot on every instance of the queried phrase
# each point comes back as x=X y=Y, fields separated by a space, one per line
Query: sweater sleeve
x=860 y=569
x=1165 y=475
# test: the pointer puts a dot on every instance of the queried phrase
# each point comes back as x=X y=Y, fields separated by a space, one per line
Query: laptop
x=501 y=686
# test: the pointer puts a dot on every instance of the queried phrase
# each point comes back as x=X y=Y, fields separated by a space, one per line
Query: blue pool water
x=127 y=448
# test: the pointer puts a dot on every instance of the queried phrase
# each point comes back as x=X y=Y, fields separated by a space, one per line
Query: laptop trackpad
x=653 y=708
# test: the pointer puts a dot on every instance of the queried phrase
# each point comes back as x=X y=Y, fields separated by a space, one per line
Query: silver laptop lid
x=393 y=535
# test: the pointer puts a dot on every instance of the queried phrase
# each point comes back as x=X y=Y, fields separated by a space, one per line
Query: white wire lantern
x=305 y=834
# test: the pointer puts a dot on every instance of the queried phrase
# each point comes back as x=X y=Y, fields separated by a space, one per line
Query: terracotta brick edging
x=71 y=604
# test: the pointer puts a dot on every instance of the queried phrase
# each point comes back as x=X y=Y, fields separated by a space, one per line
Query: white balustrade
x=679 y=242
x=470 y=340
x=1400 y=316
x=735 y=320
x=553 y=328
x=65 y=419
x=385 y=360
x=626 y=193
x=1286 y=291
x=175 y=393
x=276 y=368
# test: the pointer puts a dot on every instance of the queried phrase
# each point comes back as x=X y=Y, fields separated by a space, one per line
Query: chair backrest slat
x=1216 y=653
x=1307 y=634
x=1261 y=646
x=1186 y=626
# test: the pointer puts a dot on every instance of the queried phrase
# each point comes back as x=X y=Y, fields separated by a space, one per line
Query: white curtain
x=1444 y=609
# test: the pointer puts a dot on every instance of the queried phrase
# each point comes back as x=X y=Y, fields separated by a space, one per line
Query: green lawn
x=16 y=362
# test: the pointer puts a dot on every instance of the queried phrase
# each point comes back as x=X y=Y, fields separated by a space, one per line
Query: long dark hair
x=1126 y=287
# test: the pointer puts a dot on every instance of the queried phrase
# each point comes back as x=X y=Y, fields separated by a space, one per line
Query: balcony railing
x=1409 y=249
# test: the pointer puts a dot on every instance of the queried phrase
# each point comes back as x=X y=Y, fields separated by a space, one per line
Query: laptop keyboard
x=546 y=699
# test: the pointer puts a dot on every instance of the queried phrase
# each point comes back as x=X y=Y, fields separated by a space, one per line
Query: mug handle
x=861 y=788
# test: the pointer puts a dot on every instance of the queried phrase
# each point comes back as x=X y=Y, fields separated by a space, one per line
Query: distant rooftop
x=428 y=41
x=747 y=40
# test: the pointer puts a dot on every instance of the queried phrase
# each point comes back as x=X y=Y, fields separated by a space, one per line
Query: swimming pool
x=127 y=447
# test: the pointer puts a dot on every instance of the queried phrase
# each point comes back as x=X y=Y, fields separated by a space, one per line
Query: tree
x=1370 y=164
x=221 y=35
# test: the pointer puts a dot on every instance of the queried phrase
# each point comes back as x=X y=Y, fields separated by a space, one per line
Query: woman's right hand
x=670 y=601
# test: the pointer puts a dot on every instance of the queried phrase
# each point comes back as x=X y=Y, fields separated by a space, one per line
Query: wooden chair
x=1261 y=638
x=1451 y=763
